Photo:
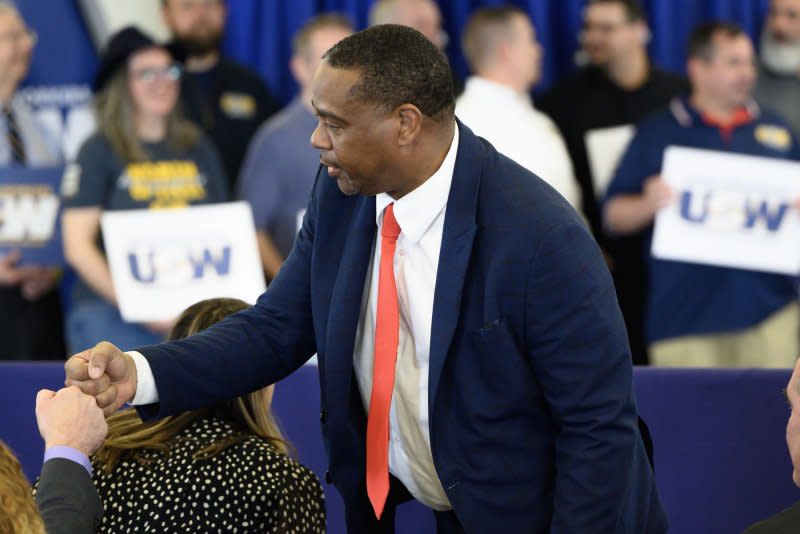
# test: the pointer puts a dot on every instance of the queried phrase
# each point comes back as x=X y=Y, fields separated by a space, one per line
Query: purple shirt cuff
x=68 y=453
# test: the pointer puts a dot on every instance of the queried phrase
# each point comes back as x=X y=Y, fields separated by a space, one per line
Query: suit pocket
x=490 y=325
x=501 y=375
x=494 y=332
x=494 y=344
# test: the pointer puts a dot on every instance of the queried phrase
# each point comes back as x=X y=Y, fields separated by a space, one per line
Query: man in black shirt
x=617 y=87
x=227 y=100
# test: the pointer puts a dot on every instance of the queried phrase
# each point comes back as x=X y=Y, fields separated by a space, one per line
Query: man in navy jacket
x=510 y=347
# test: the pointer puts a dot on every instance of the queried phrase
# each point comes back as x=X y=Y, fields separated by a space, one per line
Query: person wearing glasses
x=30 y=309
x=616 y=87
x=143 y=156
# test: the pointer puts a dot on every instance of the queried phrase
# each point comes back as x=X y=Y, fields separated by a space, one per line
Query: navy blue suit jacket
x=533 y=422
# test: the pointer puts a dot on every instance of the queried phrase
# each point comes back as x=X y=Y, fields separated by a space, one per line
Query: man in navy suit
x=471 y=351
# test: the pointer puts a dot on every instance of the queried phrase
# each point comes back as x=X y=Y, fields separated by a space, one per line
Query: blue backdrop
x=260 y=30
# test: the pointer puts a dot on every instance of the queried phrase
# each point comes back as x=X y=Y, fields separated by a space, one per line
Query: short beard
x=780 y=57
x=353 y=189
x=200 y=46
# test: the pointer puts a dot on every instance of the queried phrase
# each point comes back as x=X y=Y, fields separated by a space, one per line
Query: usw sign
x=730 y=210
x=162 y=261
x=30 y=211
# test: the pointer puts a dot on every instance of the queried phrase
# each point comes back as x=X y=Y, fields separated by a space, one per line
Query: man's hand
x=10 y=272
x=38 y=280
x=70 y=418
x=656 y=193
x=106 y=373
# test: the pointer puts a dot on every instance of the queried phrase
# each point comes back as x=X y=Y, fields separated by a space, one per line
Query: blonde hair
x=116 y=120
x=18 y=511
x=251 y=414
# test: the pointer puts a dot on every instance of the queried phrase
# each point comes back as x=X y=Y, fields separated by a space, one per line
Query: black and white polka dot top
x=248 y=487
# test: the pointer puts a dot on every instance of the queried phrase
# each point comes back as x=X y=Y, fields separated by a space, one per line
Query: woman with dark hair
x=143 y=156
x=219 y=469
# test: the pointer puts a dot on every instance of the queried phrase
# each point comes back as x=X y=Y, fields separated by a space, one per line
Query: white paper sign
x=163 y=261
x=730 y=210
x=605 y=148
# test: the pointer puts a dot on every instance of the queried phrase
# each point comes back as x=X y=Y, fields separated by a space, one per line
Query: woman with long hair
x=218 y=469
x=143 y=156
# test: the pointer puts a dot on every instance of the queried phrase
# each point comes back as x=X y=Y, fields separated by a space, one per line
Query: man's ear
x=643 y=32
x=299 y=71
x=410 y=123
x=694 y=67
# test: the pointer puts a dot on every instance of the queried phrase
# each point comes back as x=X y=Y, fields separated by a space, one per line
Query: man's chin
x=346 y=186
x=201 y=45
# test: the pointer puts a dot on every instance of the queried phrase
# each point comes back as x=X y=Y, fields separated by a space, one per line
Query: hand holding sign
x=10 y=273
x=657 y=193
x=33 y=280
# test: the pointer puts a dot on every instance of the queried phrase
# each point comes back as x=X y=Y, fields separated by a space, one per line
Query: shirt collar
x=417 y=210
x=495 y=91
x=13 y=105
x=687 y=115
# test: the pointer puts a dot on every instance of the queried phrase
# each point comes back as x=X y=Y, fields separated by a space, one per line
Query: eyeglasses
x=19 y=35
x=149 y=75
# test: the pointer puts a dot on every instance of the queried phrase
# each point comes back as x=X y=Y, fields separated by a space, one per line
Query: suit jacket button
x=322 y=415
x=328 y=477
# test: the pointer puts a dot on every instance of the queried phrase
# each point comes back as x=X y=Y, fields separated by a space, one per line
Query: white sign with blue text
x=163 y=261
x=30 y=210
x=730 y=210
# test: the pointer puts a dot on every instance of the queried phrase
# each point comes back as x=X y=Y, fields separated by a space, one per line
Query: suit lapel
x=346 y=299
x=457 y=239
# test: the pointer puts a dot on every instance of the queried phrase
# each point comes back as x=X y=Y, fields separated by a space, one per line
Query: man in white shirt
x=471 y=352
x=501 y=48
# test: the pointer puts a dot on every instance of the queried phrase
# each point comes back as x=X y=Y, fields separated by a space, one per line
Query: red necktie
x=387 y=331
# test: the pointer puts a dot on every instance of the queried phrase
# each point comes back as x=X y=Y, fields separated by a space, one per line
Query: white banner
x=730 y=210
x=163 y=261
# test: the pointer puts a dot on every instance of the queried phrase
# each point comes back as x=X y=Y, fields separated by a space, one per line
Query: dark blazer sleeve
x=247 y=351
x=67 y=499
x=782 y=523
x=579 y=351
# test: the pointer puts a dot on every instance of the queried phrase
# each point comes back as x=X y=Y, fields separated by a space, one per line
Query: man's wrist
x=57 y=444
x=68 y=453
x=144 y=388
x=134 y=375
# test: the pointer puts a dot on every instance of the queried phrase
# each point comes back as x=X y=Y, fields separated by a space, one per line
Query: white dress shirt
x=420 y=215
x=41 y=146
x=509 y=121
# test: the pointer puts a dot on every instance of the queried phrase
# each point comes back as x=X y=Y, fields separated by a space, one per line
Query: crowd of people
x=548 y=262
x=184 y=109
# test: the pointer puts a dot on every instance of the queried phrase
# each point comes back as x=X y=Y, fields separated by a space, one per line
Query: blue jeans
x=91 y=320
